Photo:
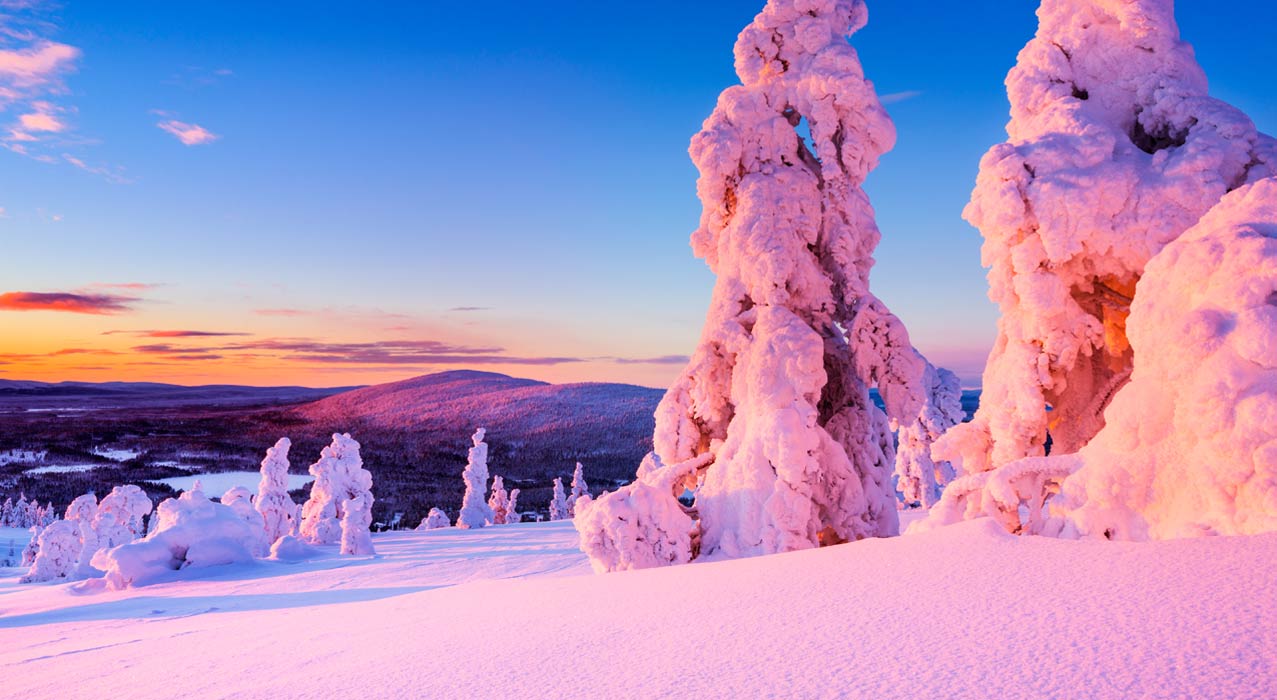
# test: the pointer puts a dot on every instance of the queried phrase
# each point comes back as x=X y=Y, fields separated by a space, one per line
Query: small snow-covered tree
x=6 y=513
x=126 y=506
x=559 y=503
x=777 y=391
x=919 y=478
x=579 y=489
x=475 y=511
x=498 y=501
x=82 y=512
x=434 y=520
x=1114 y=150
x=57 y=554
x=340 y=481
x=21 y=513
x=32 y=549
x=240 y=500
x=273 y=502
x=512 y=510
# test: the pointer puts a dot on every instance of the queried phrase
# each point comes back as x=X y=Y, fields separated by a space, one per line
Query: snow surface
x=443 y=612
x=63 y=468
x=220 y=482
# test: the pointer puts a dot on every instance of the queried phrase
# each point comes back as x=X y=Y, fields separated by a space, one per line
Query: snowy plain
x=961 y=612
x=217 y=483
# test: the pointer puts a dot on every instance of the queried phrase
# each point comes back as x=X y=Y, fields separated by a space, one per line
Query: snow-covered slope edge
x=1033 y=617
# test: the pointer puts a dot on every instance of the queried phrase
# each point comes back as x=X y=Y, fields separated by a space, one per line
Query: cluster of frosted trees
x=500 y=506
x=1130 y=224
x=106 y=538
x=26 y=513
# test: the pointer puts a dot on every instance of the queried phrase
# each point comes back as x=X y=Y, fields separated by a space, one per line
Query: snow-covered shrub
x=498 y=501
x=1114 y=150
x=580 y=488
x=919 y=478
x=434 y=520
x=474 y=510
x=339 y=479
x=559 y=502
x=240 y=500
x=278 y=511
x=126 y=506
x=642 y=524
x=58 y=553
x=794 y=339
x=190 y=531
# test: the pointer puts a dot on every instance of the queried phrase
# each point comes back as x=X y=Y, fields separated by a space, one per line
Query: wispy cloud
x=70 y=302
x=282 y=312
x=175 y=333
x=188 y=134
x=195 y=77
x=894 y=97
x=374 y=353
x=470 y=308
x=661 y=360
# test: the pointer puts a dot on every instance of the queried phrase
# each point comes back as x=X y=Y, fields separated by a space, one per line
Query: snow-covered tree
x=273 y=502
x=434 y=520
x=6 y=513
x=127 y=506
x=559 y=503
x=475 y=512
x=1114 y=150
x=512 y=510
x=1189 y=446
x=341 y=484
x=919 y=478
x=579 y=488
x=58 y=553
x=82 y=512
x=498 y=501
x=21 y=512
x=240 y=500
x=778 y=389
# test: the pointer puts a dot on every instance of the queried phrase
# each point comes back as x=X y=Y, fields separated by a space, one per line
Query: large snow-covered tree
x=1114 y=150
x=580 y=488
x=273 y=502
x=341 y=485
x=778 y=388
x=475 y=511
x=120 y=515
x=57 y=554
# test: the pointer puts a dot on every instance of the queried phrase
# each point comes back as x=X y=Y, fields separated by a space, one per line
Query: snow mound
x=191 y=532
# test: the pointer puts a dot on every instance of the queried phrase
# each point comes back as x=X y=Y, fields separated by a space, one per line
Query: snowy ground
x=962 y=612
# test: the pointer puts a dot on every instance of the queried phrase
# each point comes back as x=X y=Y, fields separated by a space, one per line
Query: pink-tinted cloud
x=188 y=134
x=282 y=312
x=894 y=97
x=662 y=360
x=134 y=286
x=176 y=333
x=69 y=302
x=40 y=63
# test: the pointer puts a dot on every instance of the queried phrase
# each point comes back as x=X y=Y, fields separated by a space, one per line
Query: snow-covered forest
x=817 y=516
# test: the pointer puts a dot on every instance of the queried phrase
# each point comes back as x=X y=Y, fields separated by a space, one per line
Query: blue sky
x=378 y=168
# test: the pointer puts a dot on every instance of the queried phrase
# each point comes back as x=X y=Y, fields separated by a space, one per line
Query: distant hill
x=21 y=395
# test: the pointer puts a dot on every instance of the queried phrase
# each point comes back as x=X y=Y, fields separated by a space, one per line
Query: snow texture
x=1078 y=619
x=273 y=502
x=475 y=512
x=341 y=486
x=779 y=385
x=434 y=520
x=1114 y=150
x=292 y=548
x=559 y=502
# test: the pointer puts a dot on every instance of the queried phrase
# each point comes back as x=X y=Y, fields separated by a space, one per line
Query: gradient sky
x=362 y=193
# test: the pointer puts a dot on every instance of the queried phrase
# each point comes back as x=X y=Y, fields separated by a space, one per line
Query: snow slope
x=445 y=612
